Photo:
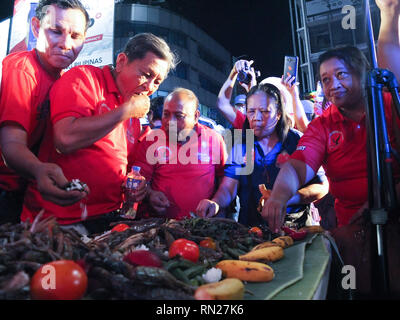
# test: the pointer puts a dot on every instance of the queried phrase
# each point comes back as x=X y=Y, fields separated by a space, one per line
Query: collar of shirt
x=270 y=157
x=110 y=83
x=337 y=116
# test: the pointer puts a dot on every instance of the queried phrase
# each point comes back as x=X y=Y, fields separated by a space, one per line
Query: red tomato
x=59 y=280
x=143 y=258
x=185 y=248
x=257 y=231
x=208 y=243
x=120 y=227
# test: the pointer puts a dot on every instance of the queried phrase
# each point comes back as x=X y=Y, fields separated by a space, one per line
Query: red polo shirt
x=185 y=174
x=85 y=91
x=339 y=145
x=239 y=120
x=24 y=102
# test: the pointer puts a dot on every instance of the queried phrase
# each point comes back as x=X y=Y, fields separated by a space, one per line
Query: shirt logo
x=336 y=138
x=301 y=148
x=162 y=153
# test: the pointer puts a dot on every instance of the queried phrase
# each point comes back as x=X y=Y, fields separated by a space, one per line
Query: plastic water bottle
x=132 y=181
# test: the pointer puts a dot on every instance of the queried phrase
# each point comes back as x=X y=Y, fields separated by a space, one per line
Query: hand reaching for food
x=265 y=194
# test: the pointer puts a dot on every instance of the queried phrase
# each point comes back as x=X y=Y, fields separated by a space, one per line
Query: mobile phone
x=290 y=67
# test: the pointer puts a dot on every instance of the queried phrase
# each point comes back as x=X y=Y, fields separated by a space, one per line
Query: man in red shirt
x=182 y=160
x=90 y=107
x=60 y=28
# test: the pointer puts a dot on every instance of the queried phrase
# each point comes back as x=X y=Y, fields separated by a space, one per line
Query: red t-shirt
x=85 y=91
x=24 y=101
x=339 y=145
x=239 y=120
x=186 y=175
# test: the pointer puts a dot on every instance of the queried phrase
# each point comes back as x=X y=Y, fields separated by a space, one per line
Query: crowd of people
x=84 y=124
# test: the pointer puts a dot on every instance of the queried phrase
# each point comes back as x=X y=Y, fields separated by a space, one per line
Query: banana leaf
x=290 y=270
x=315 y=263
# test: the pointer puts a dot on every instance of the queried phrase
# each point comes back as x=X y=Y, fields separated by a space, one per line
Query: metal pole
x=311 y=86
x=381 y=196
x=370 y=35
x=292 y=25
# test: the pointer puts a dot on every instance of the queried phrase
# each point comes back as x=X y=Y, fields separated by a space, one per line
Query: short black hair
x=40 y=10
x=138 y=46
x=352 y=57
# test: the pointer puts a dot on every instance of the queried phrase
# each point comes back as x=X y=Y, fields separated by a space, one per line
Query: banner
x=98 y=47
x=4 y=29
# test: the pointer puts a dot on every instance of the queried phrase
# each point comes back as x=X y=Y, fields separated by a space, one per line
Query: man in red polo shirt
x=60 y=29
x=90 y=108
x=182 y=160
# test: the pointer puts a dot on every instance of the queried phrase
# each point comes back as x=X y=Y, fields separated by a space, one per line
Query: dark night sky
x=259 y=29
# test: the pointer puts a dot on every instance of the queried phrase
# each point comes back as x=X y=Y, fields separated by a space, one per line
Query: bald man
x=182 y=160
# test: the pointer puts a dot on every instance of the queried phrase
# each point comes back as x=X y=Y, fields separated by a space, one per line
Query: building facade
x=204 y=63
x=318 y=25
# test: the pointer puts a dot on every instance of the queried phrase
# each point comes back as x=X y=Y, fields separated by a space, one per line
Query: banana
x=228 y=289
x=246 y=270
x=284 y=241
x=313 y=229
x=264 y=254
x=265 y=245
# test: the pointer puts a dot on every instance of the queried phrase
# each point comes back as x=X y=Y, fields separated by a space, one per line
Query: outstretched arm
x=223 y=197
x=300 y=116
x=291 y=177
x=388 y=40
x=225 y=93
x=49 y=176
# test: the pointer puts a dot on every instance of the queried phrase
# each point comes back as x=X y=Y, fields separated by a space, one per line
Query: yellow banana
x=266 y=244
x=246 y=270
x=264 y=254
x=284 y=241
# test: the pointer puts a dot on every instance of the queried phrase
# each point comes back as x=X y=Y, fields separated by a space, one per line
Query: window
x=181 y=71
x=208 y=84
x=319 y=38
x=129 y=29
x=211 y=59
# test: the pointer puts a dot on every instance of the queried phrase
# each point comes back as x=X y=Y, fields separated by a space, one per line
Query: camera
x=245 y=77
